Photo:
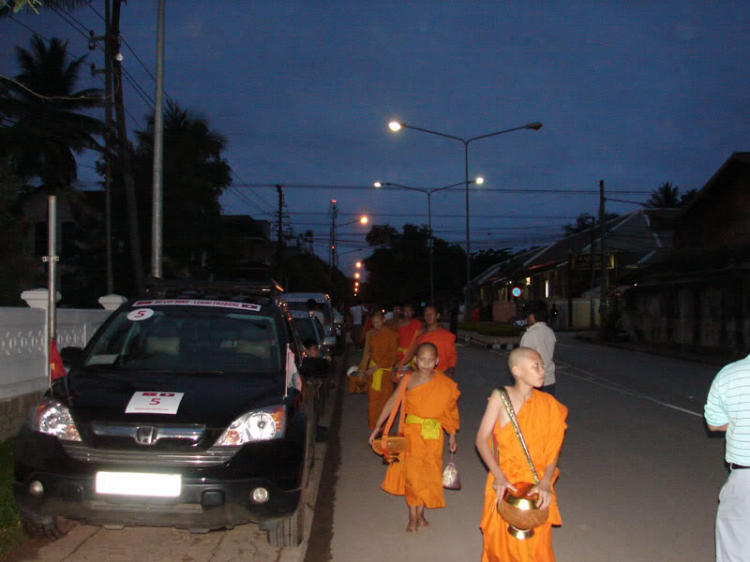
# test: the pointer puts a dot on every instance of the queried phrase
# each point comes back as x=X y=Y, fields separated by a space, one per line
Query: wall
x=22 y=355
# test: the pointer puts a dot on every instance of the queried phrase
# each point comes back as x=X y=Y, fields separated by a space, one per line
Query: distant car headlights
x=264 y=424
x=53 y=418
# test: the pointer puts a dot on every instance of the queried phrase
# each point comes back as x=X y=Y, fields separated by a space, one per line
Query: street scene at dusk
x=344 y=281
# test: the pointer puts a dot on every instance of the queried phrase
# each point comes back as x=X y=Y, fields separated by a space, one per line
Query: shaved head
x=376 y=314
x=519 y=354
x=427 y=346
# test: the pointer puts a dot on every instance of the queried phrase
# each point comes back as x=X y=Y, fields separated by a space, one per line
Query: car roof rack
x=230 y=290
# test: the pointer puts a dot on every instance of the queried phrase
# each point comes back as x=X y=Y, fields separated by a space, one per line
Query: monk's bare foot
x=423 y=522
x=413 y=526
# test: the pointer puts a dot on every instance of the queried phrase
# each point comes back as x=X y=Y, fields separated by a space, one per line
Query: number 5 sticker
x=140 y=314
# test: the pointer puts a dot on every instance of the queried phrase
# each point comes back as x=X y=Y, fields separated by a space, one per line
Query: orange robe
x=542 y=422
x=419 y=474
x=381 y=347
x=406 y=336
x=445 y=342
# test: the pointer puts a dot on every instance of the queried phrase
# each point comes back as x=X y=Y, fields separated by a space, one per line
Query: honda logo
x=146 y=435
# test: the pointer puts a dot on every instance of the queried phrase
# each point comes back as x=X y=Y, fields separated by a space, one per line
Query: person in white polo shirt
x=728 y=409
x=541 y=338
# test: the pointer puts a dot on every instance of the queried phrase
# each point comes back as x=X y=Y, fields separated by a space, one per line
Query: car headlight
x=263 y=424
x=53 y=418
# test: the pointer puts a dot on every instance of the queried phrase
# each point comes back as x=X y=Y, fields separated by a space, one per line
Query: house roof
x=741 y=158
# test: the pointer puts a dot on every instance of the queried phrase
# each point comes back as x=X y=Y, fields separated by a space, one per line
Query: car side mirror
x=315 y=367
x=71 y=356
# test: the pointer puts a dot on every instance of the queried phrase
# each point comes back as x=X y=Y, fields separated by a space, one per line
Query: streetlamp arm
x=533 y=126
x=405 y=126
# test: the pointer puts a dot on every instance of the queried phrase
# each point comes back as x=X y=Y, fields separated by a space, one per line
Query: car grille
x=216 y=456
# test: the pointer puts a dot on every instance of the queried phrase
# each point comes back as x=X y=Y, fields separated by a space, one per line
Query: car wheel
x=290 y=529
x=50 y=527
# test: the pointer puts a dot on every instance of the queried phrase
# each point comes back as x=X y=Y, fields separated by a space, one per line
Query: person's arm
x=718 y=427
x=544 y=488
x=452 y=445
x=491 y=415
x=386 y=412
x=715 y=411
x=365 y=356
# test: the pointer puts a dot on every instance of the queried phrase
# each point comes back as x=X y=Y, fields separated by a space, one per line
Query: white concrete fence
x=23 y=349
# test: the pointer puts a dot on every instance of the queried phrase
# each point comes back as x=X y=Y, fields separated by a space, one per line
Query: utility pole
x=108 y=102
x=124 y=149
x=157 y=197
x=592 y=306
x=279 y=243
x=604 y=290
x=332 y=250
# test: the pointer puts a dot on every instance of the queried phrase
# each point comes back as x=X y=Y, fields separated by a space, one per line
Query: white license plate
x=138 y=484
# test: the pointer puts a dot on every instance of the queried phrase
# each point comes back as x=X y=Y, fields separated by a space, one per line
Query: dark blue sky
x=633 y=93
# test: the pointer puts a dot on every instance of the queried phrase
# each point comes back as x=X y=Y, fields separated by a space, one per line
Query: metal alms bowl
x=519 y=510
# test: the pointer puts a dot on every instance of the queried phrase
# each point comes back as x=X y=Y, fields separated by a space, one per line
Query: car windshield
x=189 y=339
x=306 y=329
x=302 y=305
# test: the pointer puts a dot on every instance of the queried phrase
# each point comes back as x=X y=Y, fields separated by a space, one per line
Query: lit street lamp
x=397 y=126
x=333 y=255
x=431 y=240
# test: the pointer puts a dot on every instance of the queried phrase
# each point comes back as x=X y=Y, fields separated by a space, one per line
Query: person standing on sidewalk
x=541 y=339
x=728 y=409
x=442 y=339
x=357 y=312
x=377 y=360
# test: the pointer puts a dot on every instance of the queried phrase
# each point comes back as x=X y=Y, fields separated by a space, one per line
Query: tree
x=398 y=269
x=687 y=197
x=483 y=259
x=666 y=196
x=43 y=128
x=584 y=221
x=195 y=175
x=17 y=265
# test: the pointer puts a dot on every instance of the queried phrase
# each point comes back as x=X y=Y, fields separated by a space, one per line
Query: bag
x=392 y=447
x=451 y=480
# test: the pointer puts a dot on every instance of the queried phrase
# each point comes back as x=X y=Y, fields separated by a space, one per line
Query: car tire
x=289 y=531
x=49 y=527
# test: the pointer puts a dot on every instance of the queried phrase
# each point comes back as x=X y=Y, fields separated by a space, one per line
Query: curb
x=490 y=342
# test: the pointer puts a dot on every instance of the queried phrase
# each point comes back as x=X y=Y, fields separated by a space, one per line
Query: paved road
x=640 y=479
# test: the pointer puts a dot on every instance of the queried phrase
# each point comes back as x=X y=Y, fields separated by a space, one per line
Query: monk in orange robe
x=377 y=362
x=431 y=407
x=408 y=327
x=542 y=421
x=442 y=339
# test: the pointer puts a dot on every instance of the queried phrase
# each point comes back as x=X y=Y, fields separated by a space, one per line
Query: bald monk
x=431 y=408
x=542 y=421
x=442 y=339
x=377 y=361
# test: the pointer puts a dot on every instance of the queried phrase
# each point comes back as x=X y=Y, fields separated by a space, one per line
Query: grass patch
x=10 y=524
x=491 y=330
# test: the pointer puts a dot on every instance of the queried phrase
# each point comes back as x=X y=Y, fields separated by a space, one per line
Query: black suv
x=186 y=410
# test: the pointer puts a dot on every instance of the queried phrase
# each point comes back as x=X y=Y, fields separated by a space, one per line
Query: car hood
x=213 y=400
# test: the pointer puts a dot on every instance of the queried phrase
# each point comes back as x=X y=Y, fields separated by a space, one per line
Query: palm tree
x=43 y=124
x=665 y=196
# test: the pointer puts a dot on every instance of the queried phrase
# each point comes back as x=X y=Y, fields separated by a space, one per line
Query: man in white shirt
x=728 y=409
x=357 y=311
x=541 y=339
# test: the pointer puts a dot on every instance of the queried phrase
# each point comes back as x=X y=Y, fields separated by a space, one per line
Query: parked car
x=298 y=302
x=184 y=410
x=309 y=328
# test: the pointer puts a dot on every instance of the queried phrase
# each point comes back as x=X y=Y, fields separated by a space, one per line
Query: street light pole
x=397 y=125
x=431 y=238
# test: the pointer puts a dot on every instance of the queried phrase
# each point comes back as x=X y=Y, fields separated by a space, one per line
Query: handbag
x=451 y=480
x=518 y=508
x=392 y=447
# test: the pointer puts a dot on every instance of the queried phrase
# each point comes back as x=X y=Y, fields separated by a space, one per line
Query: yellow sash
x=377 y=377
x=430 y=427
x=401 y=350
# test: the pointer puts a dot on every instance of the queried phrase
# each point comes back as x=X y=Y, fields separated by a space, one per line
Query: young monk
x=408 y=327
x=442 y=339
x=542 y=422
x=377 y=361
x=431 y=408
